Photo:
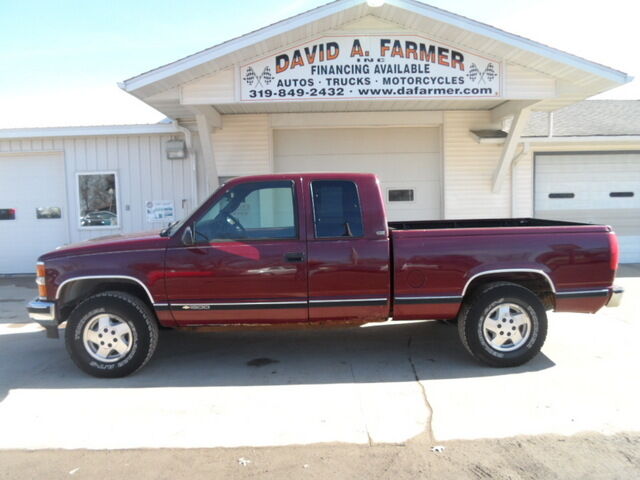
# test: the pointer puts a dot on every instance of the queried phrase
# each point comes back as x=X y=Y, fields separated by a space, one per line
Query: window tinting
x=336 y=209
x=261 y=210
x=401 y=195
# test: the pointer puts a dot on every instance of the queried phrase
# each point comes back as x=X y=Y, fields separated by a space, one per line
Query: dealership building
x=457 y=118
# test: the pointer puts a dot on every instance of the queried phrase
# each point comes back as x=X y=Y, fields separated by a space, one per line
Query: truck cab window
x=336 y=209
x=253 y=211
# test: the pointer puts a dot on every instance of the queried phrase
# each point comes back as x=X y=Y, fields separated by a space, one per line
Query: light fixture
x=375 y=3
x=176 y=150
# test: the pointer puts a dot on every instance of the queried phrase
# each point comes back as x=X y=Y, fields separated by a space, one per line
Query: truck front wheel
x=503 y=324
x=111 y=334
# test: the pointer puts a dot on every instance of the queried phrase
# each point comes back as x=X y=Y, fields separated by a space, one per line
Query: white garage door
x=407 y=161
x=33 y=217
x=594 y=188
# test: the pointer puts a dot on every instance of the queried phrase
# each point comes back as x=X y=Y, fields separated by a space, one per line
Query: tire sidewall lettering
x=485 y=304
x=130 y=311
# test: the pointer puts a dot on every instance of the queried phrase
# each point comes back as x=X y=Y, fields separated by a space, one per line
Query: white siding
x=468 y=170
x=243 y=146
x=524 y=84
x=212 y=89
x=404 y=158
x=370 y=24
x=523 y=187
x=143 y=172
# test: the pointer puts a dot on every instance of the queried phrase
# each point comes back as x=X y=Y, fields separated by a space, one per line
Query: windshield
x=175 y=226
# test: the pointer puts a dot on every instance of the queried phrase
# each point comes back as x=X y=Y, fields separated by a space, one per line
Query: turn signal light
x=41 y=280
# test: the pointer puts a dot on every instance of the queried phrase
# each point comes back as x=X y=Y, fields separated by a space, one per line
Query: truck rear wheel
x=111 y=334
x=503 y=324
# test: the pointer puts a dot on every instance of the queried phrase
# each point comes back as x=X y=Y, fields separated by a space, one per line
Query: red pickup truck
x=317 y=249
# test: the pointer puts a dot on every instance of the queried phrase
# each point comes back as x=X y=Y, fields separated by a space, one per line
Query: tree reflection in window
x=98 y=200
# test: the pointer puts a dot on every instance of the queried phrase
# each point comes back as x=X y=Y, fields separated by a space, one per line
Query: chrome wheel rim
x=107 y=338
x=507 y=327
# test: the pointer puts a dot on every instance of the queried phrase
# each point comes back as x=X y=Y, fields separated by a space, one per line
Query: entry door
x=33 y=216
x=249 y=261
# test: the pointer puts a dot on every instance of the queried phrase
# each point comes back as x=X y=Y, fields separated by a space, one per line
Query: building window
x=405 y=195
x=7 y=213
x=97 y=196
x=48 y=213
x=336 y=209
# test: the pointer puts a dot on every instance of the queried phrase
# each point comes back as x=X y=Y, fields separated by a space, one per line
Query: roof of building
x=579 y=78
x=336 y=6
x=588 y=118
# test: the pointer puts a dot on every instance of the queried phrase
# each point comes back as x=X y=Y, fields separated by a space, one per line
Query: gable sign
x=368 y=67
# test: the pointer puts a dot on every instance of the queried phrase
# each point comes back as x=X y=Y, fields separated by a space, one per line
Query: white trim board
x=100 y=130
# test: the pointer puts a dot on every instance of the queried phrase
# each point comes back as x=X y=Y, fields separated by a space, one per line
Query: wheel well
x=536 y=282
x=76 y=291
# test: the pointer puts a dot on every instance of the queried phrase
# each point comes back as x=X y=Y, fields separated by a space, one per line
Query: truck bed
x=479 y=223
x=434 y=261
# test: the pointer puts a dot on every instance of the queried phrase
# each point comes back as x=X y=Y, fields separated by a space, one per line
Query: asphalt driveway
x=373 y=385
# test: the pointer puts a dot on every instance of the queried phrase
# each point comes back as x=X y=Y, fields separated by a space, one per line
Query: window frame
x=296 y=222
x=411 y=189
x=313 y=210
x=48 y=218
x=117 y=197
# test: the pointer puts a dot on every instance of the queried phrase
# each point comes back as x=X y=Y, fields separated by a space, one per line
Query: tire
x=503 y=324
x=111 y=335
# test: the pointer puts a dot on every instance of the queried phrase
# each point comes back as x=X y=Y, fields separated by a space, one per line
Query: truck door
x=248 y=262
x=348 y=250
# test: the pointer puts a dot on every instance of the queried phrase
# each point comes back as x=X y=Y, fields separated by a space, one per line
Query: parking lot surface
x=382 y=384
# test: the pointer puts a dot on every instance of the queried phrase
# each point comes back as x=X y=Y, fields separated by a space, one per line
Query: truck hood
x=110 y=244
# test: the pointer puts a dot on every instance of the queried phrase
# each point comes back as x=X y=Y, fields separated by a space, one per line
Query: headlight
x=41 y=280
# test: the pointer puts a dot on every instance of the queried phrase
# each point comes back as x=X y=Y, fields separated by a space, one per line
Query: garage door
x=32 y=209
x=407 y=161
x=594 y=188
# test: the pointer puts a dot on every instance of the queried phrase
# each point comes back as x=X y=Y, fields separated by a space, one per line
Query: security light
x=176 y=150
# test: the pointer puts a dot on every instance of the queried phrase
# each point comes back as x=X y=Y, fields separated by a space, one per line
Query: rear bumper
x=615 y=297
x=44 y=313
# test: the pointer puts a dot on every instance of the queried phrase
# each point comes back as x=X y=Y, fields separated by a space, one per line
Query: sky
x=61 y=60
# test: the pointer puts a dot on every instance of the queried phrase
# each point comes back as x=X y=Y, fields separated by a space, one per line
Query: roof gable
x=579 y=78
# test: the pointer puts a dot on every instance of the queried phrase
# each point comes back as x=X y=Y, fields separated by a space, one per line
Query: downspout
x=192 y=158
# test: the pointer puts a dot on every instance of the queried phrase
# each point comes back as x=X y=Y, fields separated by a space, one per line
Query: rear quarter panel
x=432 y=267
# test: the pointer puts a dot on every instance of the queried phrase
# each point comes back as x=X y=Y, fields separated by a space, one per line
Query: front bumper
x=616 y=296
x=44 y=313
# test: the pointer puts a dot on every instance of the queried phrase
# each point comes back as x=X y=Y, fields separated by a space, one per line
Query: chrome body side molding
x=104 y=277
x=510 y=270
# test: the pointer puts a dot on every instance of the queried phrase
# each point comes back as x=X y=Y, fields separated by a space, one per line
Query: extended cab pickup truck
x=317 y=249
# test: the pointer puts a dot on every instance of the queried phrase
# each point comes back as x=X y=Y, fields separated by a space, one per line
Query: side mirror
x=187 y=237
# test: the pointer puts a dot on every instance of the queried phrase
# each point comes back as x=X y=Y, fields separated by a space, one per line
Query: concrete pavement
x=382 y=384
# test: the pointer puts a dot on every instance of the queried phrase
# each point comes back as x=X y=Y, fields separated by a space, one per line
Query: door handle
x=294 y=257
